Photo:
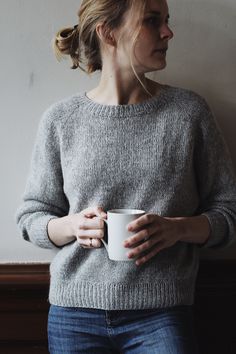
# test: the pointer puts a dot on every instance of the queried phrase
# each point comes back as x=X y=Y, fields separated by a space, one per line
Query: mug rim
x=129 y=211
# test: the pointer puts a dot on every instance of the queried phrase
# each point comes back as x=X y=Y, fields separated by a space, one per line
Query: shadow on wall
x=202 y=57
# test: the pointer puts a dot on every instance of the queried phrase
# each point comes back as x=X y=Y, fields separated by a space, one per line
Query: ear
x=105 y=34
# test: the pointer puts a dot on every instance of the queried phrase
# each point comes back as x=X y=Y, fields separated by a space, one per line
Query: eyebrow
x=156 y=13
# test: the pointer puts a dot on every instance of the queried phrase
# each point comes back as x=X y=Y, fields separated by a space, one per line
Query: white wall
x=202 y=57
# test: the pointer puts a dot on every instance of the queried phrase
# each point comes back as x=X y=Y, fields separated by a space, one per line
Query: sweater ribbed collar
x=99 y=109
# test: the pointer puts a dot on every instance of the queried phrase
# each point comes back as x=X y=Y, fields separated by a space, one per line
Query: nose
x=165 y=32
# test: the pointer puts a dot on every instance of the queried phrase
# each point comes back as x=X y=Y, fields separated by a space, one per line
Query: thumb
x=100 y=212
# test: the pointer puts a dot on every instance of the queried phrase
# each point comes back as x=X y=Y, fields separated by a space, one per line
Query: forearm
x=60 y=231
x=195 y=229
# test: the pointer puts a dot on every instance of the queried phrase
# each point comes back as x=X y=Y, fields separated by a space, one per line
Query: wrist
x=60 y=231
x=195 y=229
x=68 y=227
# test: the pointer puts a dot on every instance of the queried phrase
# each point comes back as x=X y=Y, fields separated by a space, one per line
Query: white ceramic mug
x=117 y=222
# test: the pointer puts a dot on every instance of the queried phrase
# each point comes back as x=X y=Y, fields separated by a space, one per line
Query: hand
x=88 y=224
x=156 y=232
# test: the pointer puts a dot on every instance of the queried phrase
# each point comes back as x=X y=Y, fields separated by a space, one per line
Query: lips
x=161 y=50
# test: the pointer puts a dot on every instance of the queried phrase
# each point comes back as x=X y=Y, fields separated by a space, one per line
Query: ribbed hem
x=122 y=296
x=126 y=110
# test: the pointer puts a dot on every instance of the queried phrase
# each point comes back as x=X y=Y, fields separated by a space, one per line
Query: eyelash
x=155 y=21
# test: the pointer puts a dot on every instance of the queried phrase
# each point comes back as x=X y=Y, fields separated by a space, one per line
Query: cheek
x=144 y=48
x=146 y=44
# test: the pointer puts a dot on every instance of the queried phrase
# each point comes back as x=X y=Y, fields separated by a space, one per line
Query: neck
x=119 y=87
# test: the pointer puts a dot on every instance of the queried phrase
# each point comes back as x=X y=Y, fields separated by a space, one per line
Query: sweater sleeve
x=216 y=183
x=43 y=198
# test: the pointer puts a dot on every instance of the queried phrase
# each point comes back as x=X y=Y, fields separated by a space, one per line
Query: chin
x=163 y=66
x=159 y=66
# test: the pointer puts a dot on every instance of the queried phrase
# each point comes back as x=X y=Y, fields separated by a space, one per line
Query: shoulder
x=54 y=117
x=58 y=112
x=195 y=109
x=188 y=103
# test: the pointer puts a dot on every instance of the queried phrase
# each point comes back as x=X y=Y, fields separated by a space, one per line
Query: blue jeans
x=150 y=331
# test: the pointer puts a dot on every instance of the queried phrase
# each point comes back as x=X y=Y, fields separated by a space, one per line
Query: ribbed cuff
x=218 y=226
x=39 y=232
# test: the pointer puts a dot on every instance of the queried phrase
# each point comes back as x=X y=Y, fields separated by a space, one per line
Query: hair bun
x=64 y=40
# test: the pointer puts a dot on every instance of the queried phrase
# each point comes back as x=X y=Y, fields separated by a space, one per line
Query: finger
x=94 y=211
x=91 y=233
x=94 y=223
x=86 y=243
x=141 y=221
x=141 y=235
x=134 y=252
x=151 y=254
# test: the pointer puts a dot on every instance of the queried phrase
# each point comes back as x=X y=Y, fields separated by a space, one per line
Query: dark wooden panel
x=23 y=348
x=24 y=307
x=215 y=307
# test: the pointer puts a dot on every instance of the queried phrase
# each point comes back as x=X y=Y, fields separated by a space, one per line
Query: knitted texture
x=165 y=155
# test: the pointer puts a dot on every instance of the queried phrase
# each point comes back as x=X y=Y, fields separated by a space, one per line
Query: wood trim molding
x=219 y=271
x=215 y=273
x=27 y=273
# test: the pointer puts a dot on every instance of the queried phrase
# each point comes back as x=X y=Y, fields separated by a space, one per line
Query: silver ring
x=91 y=242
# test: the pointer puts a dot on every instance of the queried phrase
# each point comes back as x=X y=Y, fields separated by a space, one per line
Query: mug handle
x=104 y=242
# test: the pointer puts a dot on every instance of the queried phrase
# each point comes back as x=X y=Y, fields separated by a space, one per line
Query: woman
x=128 y=143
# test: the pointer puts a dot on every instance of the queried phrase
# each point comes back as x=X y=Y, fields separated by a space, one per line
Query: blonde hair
x=81 y=42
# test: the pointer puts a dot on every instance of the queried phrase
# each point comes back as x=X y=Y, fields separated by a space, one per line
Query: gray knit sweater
x=165 y=155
